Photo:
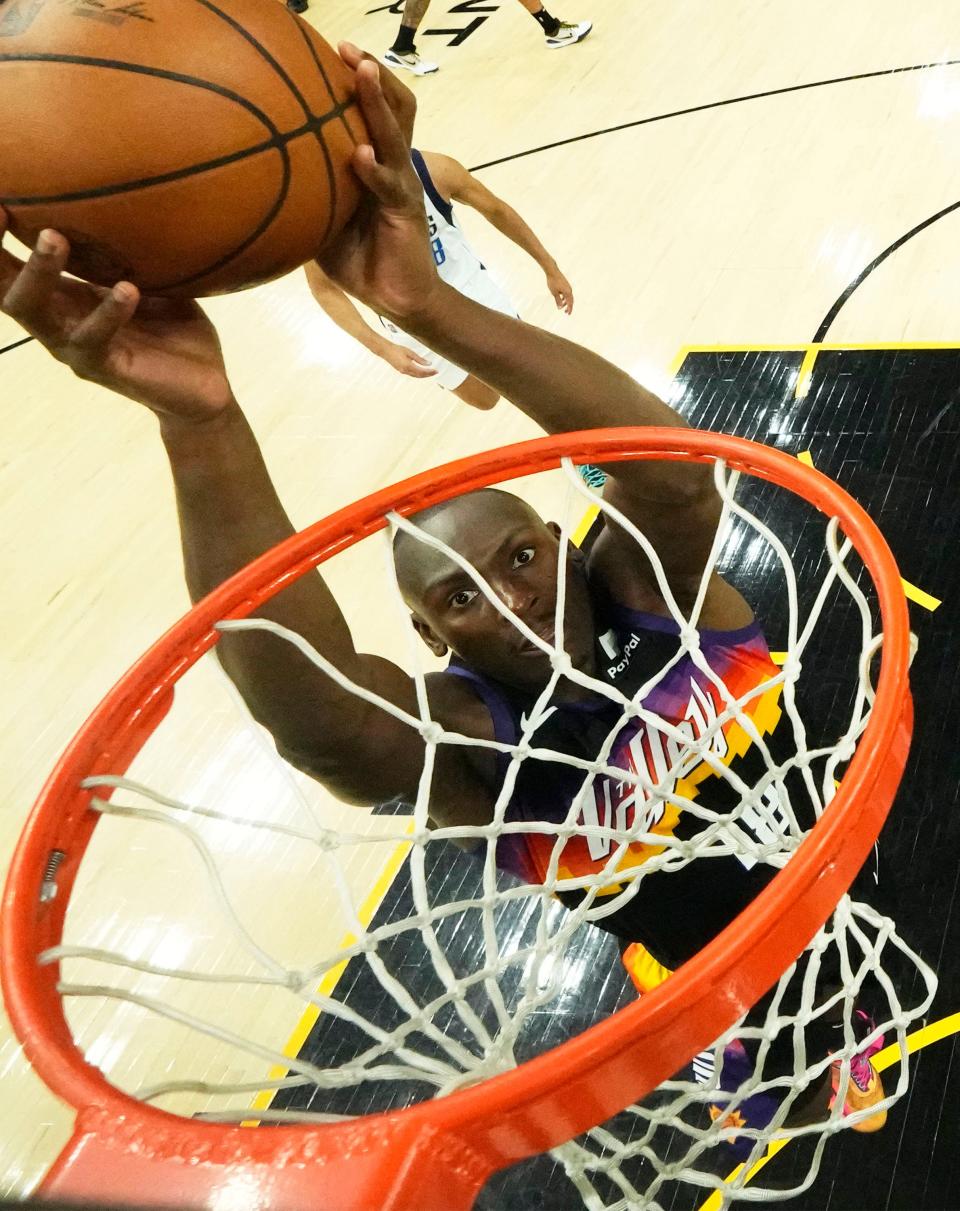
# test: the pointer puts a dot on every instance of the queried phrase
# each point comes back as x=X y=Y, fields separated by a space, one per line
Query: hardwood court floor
x=706 y=174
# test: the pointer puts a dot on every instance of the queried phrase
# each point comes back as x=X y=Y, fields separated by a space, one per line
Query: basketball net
x=473 y=1024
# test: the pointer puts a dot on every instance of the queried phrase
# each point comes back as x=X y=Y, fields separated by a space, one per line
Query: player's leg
x=823 y=1036
x=558 y=33
x=403 y=52
x=475 y=393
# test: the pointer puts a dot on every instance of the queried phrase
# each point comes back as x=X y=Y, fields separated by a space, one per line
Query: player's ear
x=433 y=642
x=574 y=553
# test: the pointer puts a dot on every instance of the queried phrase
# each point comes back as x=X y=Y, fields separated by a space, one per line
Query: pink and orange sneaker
x=864 y=1089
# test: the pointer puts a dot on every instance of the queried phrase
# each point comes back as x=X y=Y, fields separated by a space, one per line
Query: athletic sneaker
x=864 y=1089
x=410 y=62
x=568 y=33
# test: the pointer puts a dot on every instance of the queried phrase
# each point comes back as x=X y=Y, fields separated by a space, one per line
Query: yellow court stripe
x=927 y=600
x=914 y=594
x=583 y=526
x=805 y=373
x=329 y=982
x=679 y=358
x=827 y=346
x=715 y=1201
x=886 y=1058
x=923 y=1037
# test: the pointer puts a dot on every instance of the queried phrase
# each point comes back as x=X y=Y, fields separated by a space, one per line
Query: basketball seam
x=279 y=139
x=323 y=73
x=298 y=97
x=279 y=142
x=265 y=54
x=346 y=125
x=331 y=176
x=143 y=70
x=254 y=235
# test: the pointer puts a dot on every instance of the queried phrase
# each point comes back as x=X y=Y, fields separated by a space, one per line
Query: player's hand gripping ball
x=192 y=147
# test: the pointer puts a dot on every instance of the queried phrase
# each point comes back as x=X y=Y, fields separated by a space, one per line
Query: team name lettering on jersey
x=662 y=759
x=439 y=254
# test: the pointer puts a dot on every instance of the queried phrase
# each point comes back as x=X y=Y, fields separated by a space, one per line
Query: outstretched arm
x=456 y=182
x=384 y=259
x=564 y=387
x=345 y=315
x=166 y=355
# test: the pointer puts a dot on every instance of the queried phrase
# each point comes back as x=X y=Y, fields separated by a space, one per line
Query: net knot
x=561 y=662
x=432 y=732
x=792 y=667
x=690 y=637
x=328 y=840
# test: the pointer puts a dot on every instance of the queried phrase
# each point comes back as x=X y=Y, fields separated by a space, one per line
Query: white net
x=461 y=972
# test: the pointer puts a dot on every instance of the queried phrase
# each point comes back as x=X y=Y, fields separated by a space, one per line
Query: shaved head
x=488 y=511
x=509 y=545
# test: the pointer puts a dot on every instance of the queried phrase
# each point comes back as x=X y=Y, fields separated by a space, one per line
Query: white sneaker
x=410 y=62
x=568 y=33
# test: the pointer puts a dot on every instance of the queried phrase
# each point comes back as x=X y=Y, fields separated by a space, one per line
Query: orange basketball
x=190 y=146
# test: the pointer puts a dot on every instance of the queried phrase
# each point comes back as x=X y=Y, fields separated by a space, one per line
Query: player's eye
x=523 y=556
x=462 y=598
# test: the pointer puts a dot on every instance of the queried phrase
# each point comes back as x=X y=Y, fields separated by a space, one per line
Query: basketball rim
x=436 y=1155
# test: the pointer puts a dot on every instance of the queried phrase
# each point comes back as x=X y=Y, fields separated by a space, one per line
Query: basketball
x=190 y=147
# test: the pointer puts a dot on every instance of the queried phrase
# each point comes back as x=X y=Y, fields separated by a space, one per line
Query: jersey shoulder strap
x=429 y=188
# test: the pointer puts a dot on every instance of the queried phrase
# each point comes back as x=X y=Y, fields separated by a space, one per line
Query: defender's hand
x=561 y=290
x=408 y=362
x=383 y=255
x=163 y=353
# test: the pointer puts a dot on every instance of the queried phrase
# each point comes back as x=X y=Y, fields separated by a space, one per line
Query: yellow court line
x=807 y=346
x=934 y=1033
x=919 y=596
x=329 y=982
x=679 y=358
x=886 y=1058
x=805 y=373
x=910 y=591
x=583 y=526
x=810 y=350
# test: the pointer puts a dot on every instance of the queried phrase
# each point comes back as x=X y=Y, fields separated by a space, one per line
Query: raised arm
x=457 y=183
x=385 y=261
x=340 y=308
x=166 y=356
x=564 y=387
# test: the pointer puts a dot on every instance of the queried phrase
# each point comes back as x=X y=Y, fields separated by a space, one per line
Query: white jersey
x=459 y=266
x=457 y=263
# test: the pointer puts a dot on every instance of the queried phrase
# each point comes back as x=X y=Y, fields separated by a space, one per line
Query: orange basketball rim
x=434 y=1156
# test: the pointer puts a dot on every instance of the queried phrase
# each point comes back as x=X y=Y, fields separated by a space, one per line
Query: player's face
x=516 y=553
